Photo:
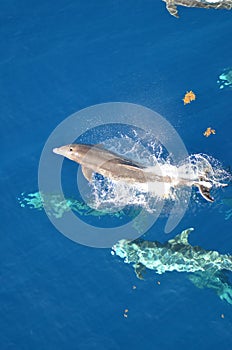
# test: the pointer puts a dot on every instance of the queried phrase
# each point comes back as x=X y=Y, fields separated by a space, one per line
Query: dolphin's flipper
x=139 y=269
x=171 y=7
x=205 y=192
x=88 y=173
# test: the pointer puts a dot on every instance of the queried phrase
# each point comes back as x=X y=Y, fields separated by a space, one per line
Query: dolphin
x=206 y=268
x=171 y=5
x=97 y=159
x=174 y=255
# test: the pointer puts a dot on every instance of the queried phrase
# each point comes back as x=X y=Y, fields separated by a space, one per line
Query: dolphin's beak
x=63 y=151
x=55 y=150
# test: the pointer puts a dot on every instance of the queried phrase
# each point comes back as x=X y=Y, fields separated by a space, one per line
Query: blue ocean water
x=57 y=58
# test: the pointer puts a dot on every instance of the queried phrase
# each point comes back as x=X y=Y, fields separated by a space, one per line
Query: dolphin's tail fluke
x=205 y=192
x=204 y=186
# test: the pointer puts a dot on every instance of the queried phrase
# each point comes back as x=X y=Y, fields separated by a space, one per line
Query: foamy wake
x=114 y=195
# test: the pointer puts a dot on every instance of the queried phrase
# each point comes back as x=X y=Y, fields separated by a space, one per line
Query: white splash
x=114 y=195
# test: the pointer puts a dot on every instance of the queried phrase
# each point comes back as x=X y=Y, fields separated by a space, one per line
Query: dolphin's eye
x=70 y=149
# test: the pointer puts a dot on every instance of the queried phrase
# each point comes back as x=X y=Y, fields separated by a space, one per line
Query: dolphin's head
x=127 y=250
x=120 y=248
x=74 y=152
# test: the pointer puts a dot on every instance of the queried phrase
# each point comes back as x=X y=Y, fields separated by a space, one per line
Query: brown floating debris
x=189 y=96
x=209 y=131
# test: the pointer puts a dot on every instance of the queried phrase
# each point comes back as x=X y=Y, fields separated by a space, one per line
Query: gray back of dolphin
x=96 y=159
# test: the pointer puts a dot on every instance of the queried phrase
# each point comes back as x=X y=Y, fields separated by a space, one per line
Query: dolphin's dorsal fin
x=131 y=163
x=182 y=238
x=99 y=145
x=87 y=173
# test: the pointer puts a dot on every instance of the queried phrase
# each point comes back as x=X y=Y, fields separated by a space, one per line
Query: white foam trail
x=110 y=195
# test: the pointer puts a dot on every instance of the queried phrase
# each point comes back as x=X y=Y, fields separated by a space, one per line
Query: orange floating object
x=209 y=131
x=189 y=96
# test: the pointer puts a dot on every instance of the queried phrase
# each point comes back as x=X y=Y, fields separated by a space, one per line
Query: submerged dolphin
x=207 y=267
x=174 y=255
x=171 y=5
x=96 y=159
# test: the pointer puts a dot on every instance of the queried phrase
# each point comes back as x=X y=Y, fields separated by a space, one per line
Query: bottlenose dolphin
x=174 y=255
x=96 y=159
x=171 y=5
x=207 y=268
